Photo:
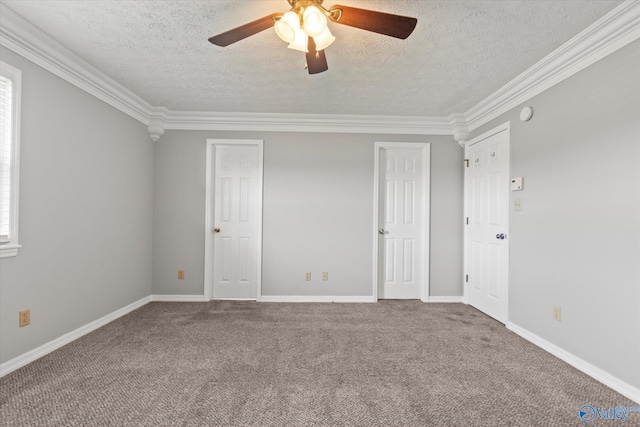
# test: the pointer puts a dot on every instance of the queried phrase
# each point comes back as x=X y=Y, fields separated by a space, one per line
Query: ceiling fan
x=305 y=28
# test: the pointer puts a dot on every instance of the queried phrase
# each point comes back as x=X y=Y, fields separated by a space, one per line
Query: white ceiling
x=460 y=52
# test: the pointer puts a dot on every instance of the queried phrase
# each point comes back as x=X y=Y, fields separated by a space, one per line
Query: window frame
x=10 y=248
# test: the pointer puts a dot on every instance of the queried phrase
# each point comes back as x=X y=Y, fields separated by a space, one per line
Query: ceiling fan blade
x=244 y=31
x=316 y=60
x=379 y=22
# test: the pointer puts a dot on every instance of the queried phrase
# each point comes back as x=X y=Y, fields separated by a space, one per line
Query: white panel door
x=402 y=219
x=235 y=222
x=487 y=240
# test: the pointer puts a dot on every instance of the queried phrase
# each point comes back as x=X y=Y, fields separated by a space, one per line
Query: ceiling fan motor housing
x=304 y=3
x=299 y=6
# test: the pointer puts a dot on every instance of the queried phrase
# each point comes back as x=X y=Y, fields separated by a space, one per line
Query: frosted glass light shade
x=314 y=20
x=300 y=41
x=324 y=40
x=287 y=25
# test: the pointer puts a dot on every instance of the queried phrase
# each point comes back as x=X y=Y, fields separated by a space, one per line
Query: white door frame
x=426 y=210
x=465 y=286
x=208 y=223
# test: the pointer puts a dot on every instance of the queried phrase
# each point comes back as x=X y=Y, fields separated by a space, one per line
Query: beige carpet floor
x=394 y=363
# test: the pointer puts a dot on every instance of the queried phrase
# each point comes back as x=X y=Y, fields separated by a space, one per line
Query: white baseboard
x=294 y=298
x=315 y=298
x=346 y=299
x=31 y=355
x=445 y=299
x=178 y=298
x=605 y=378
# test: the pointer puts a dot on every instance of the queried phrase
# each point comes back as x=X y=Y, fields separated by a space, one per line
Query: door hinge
x=466 y=278
x=466 y=162
x=467 y=220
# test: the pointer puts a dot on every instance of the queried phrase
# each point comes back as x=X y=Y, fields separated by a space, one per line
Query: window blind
x=6 y=123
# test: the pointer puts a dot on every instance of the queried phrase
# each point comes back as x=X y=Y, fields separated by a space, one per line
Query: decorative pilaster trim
x=460 y=128
x=156 y=123
x=155 y=132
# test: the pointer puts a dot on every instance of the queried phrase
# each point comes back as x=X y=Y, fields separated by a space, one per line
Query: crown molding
x=201 y=120
x=613 y=31
x=22 y=37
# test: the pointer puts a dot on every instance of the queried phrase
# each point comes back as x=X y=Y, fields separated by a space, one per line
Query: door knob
x=381 y=231
x=500 y=236
x=217 y=230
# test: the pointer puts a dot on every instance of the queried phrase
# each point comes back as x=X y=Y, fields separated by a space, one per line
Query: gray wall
x=576 y=243
x=318 y=212
x=86 y=180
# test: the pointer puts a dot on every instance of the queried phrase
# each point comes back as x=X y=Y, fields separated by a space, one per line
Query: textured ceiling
x=460 y=52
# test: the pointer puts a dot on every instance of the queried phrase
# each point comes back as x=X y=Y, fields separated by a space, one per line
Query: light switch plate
x=517 y=184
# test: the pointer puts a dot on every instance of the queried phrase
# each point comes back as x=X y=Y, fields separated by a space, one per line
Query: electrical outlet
x=24 y=317
x=180 y=274
x=557 y=313
x=307 y=277
x=325 y=276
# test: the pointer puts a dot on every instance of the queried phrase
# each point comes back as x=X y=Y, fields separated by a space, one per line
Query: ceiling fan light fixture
x=324 y=40
x=305 y=28
x=315 y=21
x=300 y=42
x=287 y=26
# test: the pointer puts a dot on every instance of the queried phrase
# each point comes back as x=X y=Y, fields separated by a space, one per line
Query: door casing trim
x=209 y=199
x=426 y=209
